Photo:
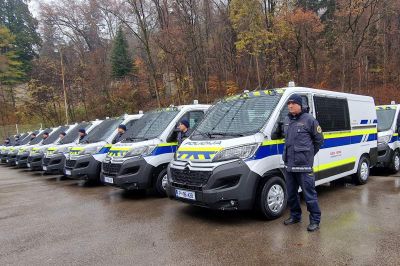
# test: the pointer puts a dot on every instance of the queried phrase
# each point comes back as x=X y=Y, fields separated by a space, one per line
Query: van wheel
x=272 y=198
x=363 y=171
x=394 y=166
x=161 y=183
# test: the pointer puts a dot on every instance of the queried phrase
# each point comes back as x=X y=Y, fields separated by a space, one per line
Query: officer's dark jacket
x=117 y=138
x=183 y=135
x=81 y=138
x=303 y=139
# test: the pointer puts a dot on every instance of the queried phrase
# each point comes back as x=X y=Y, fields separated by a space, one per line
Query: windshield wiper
x=204 y=134
x=232 y=134
x=136 y=138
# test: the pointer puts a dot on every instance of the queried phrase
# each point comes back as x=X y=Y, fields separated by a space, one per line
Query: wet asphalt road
x=45 y=220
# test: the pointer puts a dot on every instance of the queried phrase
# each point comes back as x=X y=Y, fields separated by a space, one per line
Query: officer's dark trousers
x=307 y=183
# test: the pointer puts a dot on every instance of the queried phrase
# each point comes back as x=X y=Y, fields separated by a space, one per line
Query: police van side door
x=397 y=130
x=336 y=155
x=194 y=117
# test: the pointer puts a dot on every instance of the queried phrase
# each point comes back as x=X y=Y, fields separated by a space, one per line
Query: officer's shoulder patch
x=319 y=129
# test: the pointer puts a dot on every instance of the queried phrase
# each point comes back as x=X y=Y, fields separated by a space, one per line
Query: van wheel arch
x=358 y=177
x=155 y=177
x=275 y=176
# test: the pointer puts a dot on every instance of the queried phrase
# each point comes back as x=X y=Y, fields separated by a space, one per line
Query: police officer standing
x=184 y=131
x=61 y=137
x=82 y=135
x=303 y=139
x=33 y=136
x=45 y=135
x=121 y=131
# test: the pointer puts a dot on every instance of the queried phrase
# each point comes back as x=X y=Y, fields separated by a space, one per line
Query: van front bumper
x=3 y=158
x=54 y=164
x=11 y=159
x=22 y=160
x=35 y=162
x=385 y=154
x=132 y=174
x=230 y=186
x=84 y=167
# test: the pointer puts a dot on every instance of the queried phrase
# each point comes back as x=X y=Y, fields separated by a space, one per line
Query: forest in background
x=110 y=57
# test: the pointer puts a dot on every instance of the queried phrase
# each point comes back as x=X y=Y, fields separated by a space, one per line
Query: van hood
x=90 y=148
x=206 y=150
x=121 y=149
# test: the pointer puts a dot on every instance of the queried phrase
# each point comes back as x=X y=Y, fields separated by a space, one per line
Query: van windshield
x=39 y=137
x=245 y=115
x=26 y=140
x=150 y=125
x=73 y=134
x=54 y=135
x=103 y=130
x=385 y=119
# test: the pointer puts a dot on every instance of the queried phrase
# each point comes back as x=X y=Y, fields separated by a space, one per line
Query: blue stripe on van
x=270 y=150
x=363 y=122
x=165 y=149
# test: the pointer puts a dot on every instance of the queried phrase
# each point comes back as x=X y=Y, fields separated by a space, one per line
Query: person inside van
x=82 y=134
x=121 y=131
x=184 y=130
x=62 y=135
x=33 y=135
x=17 y=140
x=7 y=142
x=45 y=135
x=303 y=139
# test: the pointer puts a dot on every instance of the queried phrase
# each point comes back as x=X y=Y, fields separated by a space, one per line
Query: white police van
x=54 y=158
x=36 y=154
x=84 y=160
x=140 y=161
x=233 y=160
x=388 y=137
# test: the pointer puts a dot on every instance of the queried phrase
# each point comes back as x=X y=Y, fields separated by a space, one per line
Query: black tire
x=363 y=171
x=273 y=188
x=394 y=165
x=159 y=187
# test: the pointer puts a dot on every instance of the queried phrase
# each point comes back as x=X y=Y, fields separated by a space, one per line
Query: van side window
x=194 y=117
x=285 y=110
x=332 y=113
x=130 y=123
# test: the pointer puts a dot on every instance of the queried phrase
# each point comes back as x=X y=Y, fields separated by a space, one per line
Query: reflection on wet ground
x=48 y=220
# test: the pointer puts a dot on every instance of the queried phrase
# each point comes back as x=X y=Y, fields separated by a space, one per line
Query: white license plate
x=7 y=160
x=185 y=194
x=109 y=180
x=67 y=172
x=16 y=162
x=44 y=168
x=28 y=164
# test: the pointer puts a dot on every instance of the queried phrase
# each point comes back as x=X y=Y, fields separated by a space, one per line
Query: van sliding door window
x=332 y=113
x=285 y=110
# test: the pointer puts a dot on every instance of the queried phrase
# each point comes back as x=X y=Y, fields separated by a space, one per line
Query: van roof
x=387 y=107
x=290 y=90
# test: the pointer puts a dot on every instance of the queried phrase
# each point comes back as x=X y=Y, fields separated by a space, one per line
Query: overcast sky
x=34 y=7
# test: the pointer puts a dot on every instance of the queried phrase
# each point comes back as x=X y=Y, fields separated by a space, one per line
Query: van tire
x=363 y=171
x=274 y=189
x=394 y=165
x=159 y=187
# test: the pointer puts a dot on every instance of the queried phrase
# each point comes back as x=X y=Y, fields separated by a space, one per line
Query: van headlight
x=239 y=152
x=142 y=150
x=384 y=139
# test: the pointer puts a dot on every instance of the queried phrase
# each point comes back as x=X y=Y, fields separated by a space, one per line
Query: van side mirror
x=277 y=132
